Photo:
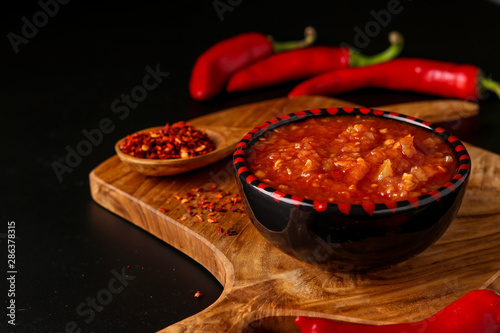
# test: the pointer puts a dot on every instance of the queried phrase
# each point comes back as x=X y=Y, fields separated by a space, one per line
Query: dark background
x=63 y=81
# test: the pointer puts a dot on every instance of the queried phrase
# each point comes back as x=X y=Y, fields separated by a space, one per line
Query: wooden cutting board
x=263 y=288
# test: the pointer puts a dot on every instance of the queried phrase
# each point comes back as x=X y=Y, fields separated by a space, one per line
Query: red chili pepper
x=307 y=62
x=438 y=78
x=478 y=311
x=219 y=62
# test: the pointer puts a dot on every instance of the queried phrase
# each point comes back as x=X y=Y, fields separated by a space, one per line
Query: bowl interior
x=459 y=150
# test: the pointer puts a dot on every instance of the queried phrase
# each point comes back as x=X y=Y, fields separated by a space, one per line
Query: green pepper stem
x=309 y=38
x=359 y=60
x=489 y=84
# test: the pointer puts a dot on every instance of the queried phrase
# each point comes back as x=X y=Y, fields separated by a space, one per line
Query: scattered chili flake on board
x=198 y=294
x=208 y=204
x=179 y=140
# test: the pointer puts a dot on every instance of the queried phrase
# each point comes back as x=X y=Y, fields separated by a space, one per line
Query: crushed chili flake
x=163 y=210
x=209 y=206
x=198 y=294
x=178 y=140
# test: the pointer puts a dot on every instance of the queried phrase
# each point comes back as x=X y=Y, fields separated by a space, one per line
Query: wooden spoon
x=224 y=138
x=227 y=127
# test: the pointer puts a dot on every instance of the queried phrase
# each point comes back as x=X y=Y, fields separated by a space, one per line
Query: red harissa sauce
x=356 y=160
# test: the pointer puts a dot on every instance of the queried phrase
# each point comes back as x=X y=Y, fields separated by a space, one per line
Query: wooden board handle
x=435 y=111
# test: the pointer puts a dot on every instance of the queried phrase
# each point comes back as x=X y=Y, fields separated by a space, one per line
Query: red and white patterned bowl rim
x=463 y=170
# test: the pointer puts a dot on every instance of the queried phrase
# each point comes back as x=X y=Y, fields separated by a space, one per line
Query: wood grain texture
x=263 y=288
x=436 y=111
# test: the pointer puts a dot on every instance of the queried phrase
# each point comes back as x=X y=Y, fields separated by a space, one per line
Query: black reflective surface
x=80 y=72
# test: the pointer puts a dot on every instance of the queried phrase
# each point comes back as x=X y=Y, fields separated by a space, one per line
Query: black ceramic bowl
x=344 y=237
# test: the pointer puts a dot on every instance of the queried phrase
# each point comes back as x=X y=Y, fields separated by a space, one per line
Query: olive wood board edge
x=263 y=286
